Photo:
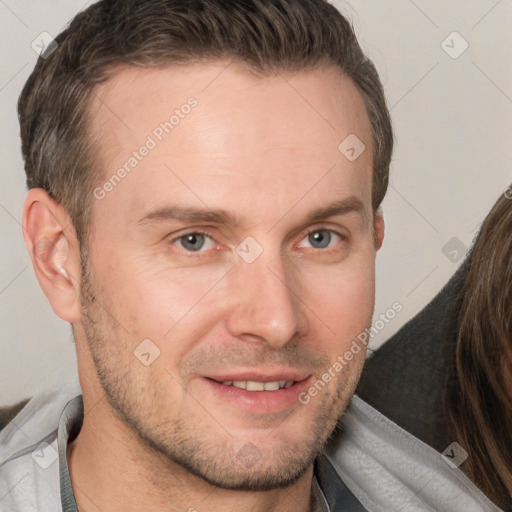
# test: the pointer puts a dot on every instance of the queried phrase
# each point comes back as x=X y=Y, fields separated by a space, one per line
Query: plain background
x=453 y=128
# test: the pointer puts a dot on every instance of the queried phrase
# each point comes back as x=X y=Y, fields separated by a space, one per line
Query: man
x=205 y=180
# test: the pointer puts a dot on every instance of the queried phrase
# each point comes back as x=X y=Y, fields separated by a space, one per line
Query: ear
x=379 y=228
x=54 y=251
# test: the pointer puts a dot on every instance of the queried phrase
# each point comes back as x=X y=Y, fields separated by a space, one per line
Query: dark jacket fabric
x=8 y=413
x=407 y=379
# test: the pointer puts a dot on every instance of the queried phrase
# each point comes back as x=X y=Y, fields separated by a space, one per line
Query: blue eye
x=199 y=242
x=321 y=238
x=194 y=242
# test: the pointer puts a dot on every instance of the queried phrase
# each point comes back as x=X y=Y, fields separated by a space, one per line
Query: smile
x=251 y=385
x=255 y=392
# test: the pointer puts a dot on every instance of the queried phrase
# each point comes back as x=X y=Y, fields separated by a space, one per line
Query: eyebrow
x=351 y=204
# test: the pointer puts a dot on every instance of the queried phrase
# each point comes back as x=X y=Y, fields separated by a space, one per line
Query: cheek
x=163 y=305
x=343 y=300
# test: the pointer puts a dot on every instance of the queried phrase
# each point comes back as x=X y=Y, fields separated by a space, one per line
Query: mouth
x=252 y=385
x=257 y=393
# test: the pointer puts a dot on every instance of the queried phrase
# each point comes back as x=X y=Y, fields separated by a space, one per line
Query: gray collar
x=330 y=492
x=69 y=426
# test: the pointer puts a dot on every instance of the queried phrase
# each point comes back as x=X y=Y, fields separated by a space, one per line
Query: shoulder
x=29 y=467
x=389 y=469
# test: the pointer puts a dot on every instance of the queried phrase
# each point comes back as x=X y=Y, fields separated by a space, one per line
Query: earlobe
x=53 y=248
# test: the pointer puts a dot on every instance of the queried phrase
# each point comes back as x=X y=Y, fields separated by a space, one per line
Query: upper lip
x=260 y=376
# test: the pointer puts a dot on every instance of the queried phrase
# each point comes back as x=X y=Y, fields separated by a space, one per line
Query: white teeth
x=255 y=386
x=271 y=386
x=251 y=385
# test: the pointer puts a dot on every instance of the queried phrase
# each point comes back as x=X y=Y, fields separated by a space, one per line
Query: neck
x=112 y=469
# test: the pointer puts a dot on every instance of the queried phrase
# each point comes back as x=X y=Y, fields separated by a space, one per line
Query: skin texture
x=161 y=436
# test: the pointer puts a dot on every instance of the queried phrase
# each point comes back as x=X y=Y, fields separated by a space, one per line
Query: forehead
x=215 y=127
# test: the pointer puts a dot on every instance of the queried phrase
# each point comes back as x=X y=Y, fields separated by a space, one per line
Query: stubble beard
x=187 y=441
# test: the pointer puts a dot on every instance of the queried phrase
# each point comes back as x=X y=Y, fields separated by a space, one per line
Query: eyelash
x=199 y=254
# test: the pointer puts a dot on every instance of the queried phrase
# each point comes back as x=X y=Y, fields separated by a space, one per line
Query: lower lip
x=259 y=401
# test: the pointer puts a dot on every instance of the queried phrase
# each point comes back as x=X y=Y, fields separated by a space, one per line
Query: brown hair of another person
x=481 y=401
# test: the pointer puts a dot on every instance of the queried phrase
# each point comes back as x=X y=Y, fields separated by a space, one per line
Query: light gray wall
x=453 y=124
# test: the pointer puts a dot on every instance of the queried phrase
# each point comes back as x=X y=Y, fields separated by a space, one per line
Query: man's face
x=240 y=312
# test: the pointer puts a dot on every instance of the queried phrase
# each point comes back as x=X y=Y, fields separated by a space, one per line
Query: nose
x=268 y=306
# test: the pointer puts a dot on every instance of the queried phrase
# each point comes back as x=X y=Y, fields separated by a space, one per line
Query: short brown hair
x=265 y=35
x=480 y=401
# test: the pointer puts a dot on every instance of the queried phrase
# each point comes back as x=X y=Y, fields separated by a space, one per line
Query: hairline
x=95 y=144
